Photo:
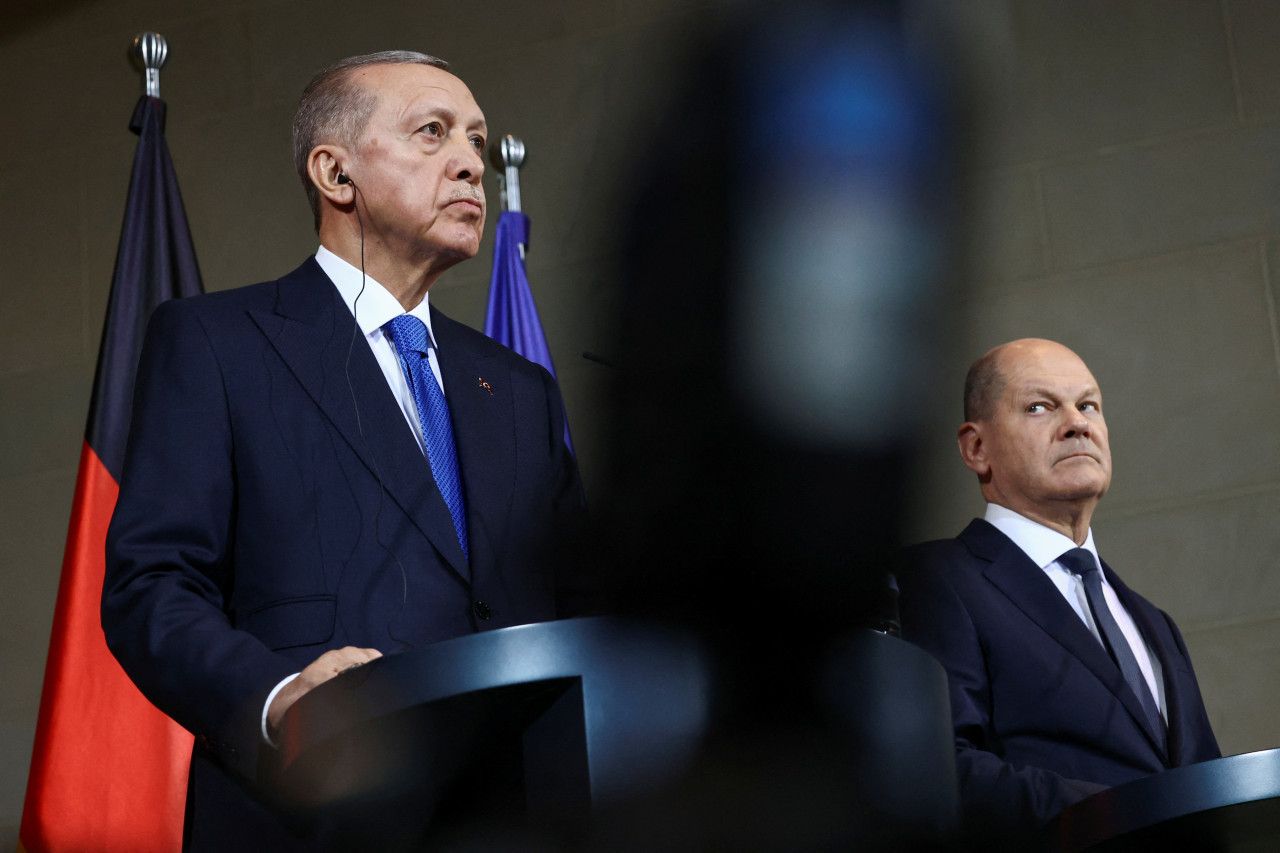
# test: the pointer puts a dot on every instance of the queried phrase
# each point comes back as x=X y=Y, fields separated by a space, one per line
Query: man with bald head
x=1063 y=681
x=323 y=468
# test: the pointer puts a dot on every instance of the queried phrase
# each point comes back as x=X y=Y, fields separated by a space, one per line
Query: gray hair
x=335 y=109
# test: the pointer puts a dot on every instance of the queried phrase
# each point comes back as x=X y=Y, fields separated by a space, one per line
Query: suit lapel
x=483 y=430
x=311 y=329
x=1026 y=585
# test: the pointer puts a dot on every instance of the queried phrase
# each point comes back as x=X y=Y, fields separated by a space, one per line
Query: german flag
x=109 y=771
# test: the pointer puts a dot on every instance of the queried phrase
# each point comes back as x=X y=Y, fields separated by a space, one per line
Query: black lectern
x=594 y=709
x=1231 y=804
x=568 y=718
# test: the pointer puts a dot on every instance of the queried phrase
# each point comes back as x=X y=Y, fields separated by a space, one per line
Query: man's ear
x=324 y=165
x=973 y=449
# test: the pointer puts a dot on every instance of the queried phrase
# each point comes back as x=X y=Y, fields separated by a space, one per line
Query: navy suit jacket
x=275 y=504
x=1043 y=716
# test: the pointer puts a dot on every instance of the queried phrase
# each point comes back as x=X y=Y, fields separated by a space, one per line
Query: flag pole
x=511 y=152
x=509 y=156
x=152 y=51
x=512 y=317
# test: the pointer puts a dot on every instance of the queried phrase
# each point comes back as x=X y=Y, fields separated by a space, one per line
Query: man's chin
x=1079 y=459
x=457 y=251
x=464 y=243
x=1084 y=489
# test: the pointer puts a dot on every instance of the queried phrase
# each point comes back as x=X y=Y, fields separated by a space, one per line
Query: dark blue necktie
x=1082 y=562
x=409 y=335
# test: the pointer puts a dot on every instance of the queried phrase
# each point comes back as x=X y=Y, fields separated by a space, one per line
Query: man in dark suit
x=293 y=502
x=1063 y=681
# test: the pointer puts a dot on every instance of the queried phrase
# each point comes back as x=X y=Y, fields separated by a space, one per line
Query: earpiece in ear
x=343 y=179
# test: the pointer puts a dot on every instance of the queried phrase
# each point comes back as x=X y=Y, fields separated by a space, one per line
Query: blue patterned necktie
x=1082 y=562
x=409 y=336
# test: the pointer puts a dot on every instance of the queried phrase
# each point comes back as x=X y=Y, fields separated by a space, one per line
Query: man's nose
x=1075 y=424
x=467 y=164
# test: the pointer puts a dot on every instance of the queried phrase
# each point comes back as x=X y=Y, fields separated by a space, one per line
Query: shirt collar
x=1042 y=544
x=377 y=306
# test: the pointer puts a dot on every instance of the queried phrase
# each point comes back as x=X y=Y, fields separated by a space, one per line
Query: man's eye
x=477 y=142
x=1088 y=407
x=433 y=128
x=1035 y=408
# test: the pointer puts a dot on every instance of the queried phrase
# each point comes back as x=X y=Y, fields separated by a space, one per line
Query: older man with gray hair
x=324 y=468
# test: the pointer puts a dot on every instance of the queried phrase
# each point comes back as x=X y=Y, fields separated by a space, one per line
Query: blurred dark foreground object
x=785 y=265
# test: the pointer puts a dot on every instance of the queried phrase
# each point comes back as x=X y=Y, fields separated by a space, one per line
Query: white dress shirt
x=1044 y=545
x=373 y=306
x=373 y=309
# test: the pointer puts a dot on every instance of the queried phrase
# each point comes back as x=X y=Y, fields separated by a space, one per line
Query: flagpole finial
x=511 y=149
x=509 y=154
x=151 y=51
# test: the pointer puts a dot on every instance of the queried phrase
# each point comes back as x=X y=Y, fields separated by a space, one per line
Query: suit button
x=482 y=610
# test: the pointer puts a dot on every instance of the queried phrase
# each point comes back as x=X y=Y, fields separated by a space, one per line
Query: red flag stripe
x=95 y=730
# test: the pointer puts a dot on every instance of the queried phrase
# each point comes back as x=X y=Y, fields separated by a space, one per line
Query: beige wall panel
x=249 y=216
x=55 y=94
x=1088 y=74
x=945 y=493
x=1255 y=30
x=560 y=107
x=210 y=73
x=1236 y=666
x=16 y=739
x=1273 y=289
x=34 y=511
x=1006 y=229
x=42 y=419
x=77 y=21
x=41 y=266
x=1158 y=198
x=293 y=40
x=1205 y=562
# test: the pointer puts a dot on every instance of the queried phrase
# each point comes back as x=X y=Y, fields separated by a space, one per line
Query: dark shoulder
x=935 y=555
x=935 y=550
x=947 y=562
x=221 y=305
x=237 y=300
x=207 y=316
x=304 y=292
x=978 y=543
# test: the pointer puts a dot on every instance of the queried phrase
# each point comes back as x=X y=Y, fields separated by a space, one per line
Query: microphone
x=887 y=618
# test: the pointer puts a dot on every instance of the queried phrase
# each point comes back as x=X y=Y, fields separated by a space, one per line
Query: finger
x=360 y=657
x=356 y=653
x=340 y=660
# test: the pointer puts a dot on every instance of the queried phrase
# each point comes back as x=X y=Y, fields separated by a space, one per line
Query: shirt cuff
x=267 y=706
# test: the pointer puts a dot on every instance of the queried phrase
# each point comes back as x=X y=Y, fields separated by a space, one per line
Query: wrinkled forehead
x=403 y=87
